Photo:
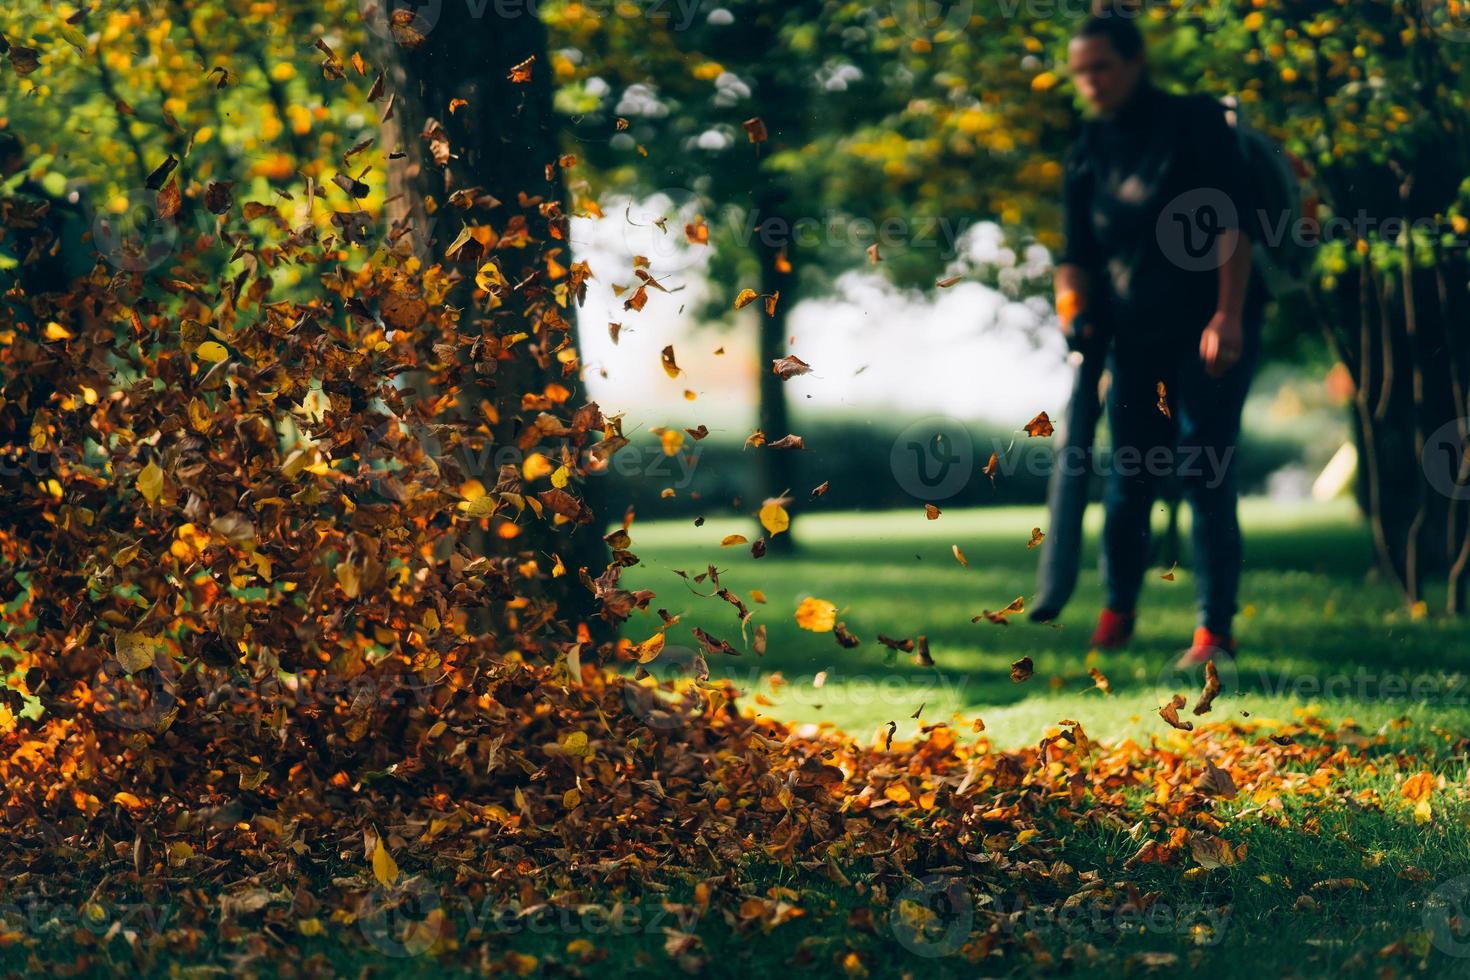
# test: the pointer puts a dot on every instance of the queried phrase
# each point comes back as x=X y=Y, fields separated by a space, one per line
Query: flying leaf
x=666 y=356
x=773 y=518
x=1211 y=691
x=817 y=615
x=1040 y=427
x=1022 y=670
x=1170 y=713
x=789 y=367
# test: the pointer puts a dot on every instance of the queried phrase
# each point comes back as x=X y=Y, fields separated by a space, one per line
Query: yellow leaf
x=479 y=507
x=1418 y=787
x=571 y=798
x=650 y=648
x=385 y=869
x=150 y=483
x=746 y=297
x=135 y=651
x=489 y=277
x=576 y=745
x=211 y=351
x=347 y=578
x=128 y=800
x=817 y=615
x=672 y=440
x=730 y=540
x=774 y=518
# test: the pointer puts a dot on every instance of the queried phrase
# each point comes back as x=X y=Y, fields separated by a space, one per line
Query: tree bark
x=774 y=252
x=478 y=82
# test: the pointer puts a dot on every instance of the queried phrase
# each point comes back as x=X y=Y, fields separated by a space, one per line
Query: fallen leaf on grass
x=1211 y=851
x=1216 y=782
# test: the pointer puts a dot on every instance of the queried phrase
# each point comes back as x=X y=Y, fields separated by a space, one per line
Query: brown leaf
x=1211 y=691
x=169 y=200
x=219 y=196
x=1022 y=670
x=521 y=73
x=1216 y=782
x=1170 y=713
x=1040 y=426
x=789 y=366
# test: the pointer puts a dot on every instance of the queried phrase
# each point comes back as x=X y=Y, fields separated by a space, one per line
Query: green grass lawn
x=1344 y=882
x=1319 y=631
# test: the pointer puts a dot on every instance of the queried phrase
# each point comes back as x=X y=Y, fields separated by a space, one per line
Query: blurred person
x=1155 y=276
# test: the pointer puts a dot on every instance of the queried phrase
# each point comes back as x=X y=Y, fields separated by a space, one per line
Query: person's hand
x=1220 y=345
x=1076 y=325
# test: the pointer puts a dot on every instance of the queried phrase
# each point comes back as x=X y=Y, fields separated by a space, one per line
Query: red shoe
x=1206 y=647
x=1114 y=630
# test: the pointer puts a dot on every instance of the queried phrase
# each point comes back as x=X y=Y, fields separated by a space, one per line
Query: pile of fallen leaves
x=529 y=788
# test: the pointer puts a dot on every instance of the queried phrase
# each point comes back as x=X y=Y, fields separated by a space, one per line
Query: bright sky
x=966 y=351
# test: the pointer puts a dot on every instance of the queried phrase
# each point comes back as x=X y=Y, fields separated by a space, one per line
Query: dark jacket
x=1146 y=194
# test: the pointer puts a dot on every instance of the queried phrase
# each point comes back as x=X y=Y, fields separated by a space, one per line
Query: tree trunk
x=471 y=113
x=774 y=252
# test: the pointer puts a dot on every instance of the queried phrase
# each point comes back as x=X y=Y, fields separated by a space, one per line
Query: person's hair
x=1116 y=23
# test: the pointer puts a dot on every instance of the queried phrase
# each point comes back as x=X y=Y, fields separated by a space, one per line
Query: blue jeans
x=1068 y=491
x=1195 y=441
